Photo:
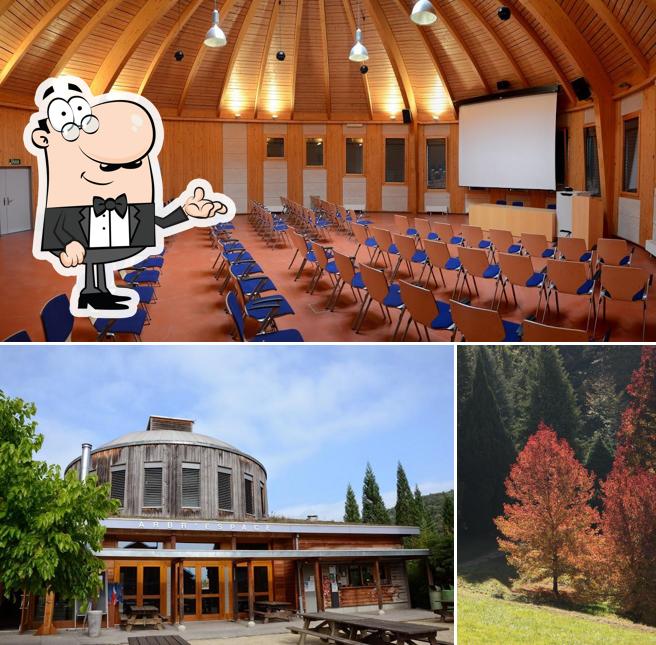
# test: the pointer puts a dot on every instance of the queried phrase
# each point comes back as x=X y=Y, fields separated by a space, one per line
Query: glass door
x=262 y=580
x=202 y=591
x=143 y=583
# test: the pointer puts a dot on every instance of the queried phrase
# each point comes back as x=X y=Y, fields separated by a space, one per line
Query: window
x=362 y=575
x=354 y=156
x=314 y=152
x=117 y=490
x=224 y=484
x=395 y=160
x=248 y=494
x=262 y=499
x=191 y=485
x=152 y=493
x=275 y=147
x=591 y=161
x=630 y=175
x=436 y=163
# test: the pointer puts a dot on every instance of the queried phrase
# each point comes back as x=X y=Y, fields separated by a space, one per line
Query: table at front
x=143 y=615
x=365 y=629
x=273 y=609
x=516 y=219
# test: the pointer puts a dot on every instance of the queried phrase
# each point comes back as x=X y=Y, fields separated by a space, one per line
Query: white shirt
x=109 y=229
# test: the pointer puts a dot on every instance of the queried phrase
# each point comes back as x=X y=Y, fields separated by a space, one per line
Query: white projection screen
x=509 y=143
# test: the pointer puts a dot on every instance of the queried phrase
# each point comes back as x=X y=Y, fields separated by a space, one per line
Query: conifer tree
x=404 y=511
x=351 y=508
x=373 y=506
x=600 y=457
x=419 y=508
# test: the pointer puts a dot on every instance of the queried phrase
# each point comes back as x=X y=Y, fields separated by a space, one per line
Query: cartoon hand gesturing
x=199 y=206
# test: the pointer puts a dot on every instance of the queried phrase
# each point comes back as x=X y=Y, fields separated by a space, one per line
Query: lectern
x=587 y=218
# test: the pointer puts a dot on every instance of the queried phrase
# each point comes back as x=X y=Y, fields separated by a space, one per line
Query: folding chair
x=535 y=332
x=571 y=278
x=385 y=244
x=446 y=234
x=388 y=296
x=473 y=236
x=536 y=245
x=323 y=264
x=475 y=263
x=424 y=309
x=402 y=224
x=19 y=337
x=517 y=271
x=614 y=252
x=347 y=274
x=503 y=241
x=439 y=258
x=574 y=249
x=362 y=237
x=424 y=229
x=478 y=325
x=57 y=319
x=281 y=336
x=409 y=253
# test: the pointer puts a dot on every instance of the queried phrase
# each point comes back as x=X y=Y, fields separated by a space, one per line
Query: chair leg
x=644 y=319
x=398 y=324
x=292 y=262
x=594 y=329
x=590 y=308
x=300 y=269
x=357 y=318
x=364 y=315
x=514 y=293
x=332 y=294
x=405 y=333
x=396 y=269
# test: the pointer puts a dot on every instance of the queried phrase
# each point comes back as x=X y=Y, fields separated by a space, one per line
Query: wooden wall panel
x=334 y=161
x=191 y=149
x=456 y=191
x=575 y=167
x=295 y=161
x=374 y=165
x=255 y=139
x=647 y=162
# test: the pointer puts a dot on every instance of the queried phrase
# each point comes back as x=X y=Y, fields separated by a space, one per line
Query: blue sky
x=313 y=415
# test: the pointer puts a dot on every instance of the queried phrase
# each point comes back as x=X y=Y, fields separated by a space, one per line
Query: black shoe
x=100 y=301
x=115 y=297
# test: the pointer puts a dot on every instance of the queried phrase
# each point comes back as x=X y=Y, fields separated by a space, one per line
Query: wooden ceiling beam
x=348 y=10
x=127 y=42
x=546 y=52
x=475 y=11
x=394 y=54
x=324 y=50
x=168 y=40
x=431 y=52
x=455 y=34
x=265 y=54
x=613 y=23
x=28 y=40
x=4 y=5
x=243 y=32
x=297 y=41
x=96 y=18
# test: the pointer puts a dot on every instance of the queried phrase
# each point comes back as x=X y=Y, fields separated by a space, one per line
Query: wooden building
x=193 y=537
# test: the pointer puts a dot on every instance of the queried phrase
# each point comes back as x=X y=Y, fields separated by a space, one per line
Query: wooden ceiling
x=130 y=45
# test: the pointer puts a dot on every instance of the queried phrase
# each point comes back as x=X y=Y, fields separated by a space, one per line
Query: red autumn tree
x=548 y=531
x=629 y=538
x=636 y=437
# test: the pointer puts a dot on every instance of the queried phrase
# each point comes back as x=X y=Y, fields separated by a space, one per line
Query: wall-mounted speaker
x=407 y=117
x=581 y=88
x=503 y=85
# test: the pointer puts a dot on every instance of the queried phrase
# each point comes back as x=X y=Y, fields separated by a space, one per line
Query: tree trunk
x=555 y=585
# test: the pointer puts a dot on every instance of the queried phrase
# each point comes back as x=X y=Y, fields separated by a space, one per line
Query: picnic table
x=144 y=615
x=350 y=629
x=273 y=609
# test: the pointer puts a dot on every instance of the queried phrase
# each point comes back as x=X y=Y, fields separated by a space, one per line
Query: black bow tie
x=120 y=205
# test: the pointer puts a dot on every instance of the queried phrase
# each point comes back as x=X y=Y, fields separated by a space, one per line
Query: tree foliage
x=351 y=508
x=404 y=510
x=373 y=506
x=547 y=532
x=49 y=525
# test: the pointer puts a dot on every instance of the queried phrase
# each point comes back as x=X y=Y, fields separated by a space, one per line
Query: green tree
x=351 y=508
x=405 y=504
x=373 y=507
x=49 y=525
x=447 y=514
x=549 y=398
x=600 y=457
x=601 y=411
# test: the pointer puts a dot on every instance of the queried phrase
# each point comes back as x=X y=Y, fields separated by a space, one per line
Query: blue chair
x=324 y=263
x=153 y=262
x=478 y=325
x=281 y=336
x=264 y=309
x=424 y=310
x=57 y=319
x=388 y=296
x=518 y=203
x=501 y=202
x=347 y=274
x=551 y=207
x=133 y=325
x=142 y=276
x=19 y=337
x=362 y=237
x=439 y=258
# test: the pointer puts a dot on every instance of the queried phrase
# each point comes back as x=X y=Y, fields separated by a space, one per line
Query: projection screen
x=509 y=143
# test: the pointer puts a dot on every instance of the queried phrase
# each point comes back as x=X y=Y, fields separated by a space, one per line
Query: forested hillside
x=504 y=392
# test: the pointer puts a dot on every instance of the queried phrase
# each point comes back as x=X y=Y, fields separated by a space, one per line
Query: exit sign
x=14 y=162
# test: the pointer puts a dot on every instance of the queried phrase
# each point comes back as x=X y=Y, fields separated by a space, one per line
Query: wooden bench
x=157 y=640
x=323 y=636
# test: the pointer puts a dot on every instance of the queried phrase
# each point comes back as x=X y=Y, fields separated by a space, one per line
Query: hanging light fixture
x=215 y=36
x=359 y=52
x=423 y=13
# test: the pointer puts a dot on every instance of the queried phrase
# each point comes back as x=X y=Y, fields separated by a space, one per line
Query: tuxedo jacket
x=62 y=225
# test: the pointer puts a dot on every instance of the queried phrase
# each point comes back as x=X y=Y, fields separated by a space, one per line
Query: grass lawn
x=483 y=619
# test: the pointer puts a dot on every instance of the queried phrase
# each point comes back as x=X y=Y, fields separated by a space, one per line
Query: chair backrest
x=382 y=236
x=402 y=223
x=534 y=332
x=612 y=251
x=19 y=337
x=299 y=242
x=237 y=314
x=501 y=202
x=438 y=252
x=57 y=319
x=406 y=245
x=444 y=230
x=423 y=227
x=375 y=281
x=517 y=268
x=344 y=266
x=472 y=234
x=535 y=244
x=623 y=283
x=360 y=232
x=571 y=248
x=568 y=276
x=501 y=239
x=320 y=252
x=477 y=325
x=473 y=260
x=518 y=203
x=419 y=302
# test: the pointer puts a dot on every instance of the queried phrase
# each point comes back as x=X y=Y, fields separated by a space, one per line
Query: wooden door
x=143 y=583
x=205 y=585
x=263 y=583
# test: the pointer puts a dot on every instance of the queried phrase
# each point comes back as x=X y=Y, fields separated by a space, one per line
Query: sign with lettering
x=14 y=162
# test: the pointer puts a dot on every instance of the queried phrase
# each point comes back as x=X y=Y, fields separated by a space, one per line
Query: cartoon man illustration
x=100 y=191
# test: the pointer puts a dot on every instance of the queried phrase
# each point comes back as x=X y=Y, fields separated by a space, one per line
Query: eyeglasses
x=89 y=124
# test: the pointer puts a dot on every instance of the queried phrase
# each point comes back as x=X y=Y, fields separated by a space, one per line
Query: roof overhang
x=218 y=526
x=286 y=554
